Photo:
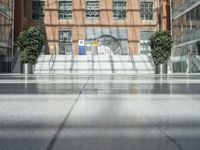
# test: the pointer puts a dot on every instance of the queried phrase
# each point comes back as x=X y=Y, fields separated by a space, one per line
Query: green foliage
x=30 y=43
x=160 y=43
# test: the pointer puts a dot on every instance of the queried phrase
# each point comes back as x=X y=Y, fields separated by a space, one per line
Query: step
x=95 y=64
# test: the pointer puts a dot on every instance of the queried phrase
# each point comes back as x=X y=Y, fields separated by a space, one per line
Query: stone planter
x=26 y=68
x=161 y=68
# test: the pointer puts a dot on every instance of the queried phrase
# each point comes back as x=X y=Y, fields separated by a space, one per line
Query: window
x=144 y=41
x=37 y=10
x=146 y=10
x=119 y=9
x=25 y=9
x=92 y=9
x=65 y=9
x=65 y=42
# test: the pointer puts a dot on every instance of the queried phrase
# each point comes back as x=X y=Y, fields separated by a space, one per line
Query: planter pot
x=161 y=68
x=2 y=66
x=26 y=68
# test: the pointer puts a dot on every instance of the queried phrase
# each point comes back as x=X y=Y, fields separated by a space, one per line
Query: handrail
x=132 y=59
x=52 y=60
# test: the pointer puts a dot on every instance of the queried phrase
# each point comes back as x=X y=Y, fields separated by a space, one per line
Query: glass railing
x=187 y=37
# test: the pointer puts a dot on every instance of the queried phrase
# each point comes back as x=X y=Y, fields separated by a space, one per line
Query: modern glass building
x=6 y=34
x=186 y=33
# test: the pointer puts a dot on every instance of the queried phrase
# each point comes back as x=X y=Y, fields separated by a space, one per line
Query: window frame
x=67 y=43
x=65 y=14
x=95 y=7
x=146 y=12
x=121 y=9
x=38 y=12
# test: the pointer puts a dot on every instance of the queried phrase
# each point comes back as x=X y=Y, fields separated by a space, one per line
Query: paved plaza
x=100 y=112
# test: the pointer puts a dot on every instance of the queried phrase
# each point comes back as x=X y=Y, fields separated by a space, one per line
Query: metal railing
x=52 y=60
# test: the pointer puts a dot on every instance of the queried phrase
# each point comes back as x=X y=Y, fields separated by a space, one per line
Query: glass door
x=65 y=42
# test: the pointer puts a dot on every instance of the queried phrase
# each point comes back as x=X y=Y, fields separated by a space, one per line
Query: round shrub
x=160 y=43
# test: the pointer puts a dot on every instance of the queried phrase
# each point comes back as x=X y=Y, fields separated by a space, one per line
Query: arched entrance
x=107 y=41
x=108 y=45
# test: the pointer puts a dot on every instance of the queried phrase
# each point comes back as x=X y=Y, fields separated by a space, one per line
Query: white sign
x=81 y=43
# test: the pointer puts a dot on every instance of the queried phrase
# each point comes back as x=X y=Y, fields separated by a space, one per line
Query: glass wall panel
x=186 y=36
x=5 y=35
x=181 y=5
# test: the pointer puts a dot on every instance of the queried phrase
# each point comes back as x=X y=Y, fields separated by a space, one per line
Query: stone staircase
x=100 y=64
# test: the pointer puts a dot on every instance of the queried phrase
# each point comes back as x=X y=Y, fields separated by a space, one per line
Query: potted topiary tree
x=160 y=43
x=30 y=43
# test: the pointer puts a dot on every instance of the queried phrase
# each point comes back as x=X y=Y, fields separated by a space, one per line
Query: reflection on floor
x=102 y=112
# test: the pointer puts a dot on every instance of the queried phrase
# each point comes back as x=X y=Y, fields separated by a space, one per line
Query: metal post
x=13 y=21
x=171 y=31
x=171 y=17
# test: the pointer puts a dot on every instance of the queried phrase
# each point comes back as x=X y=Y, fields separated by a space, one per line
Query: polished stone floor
x=100 y=112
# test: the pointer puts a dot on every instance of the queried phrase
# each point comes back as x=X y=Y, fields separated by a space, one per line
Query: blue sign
x=81 y=50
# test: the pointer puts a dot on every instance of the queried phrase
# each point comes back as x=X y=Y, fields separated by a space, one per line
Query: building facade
x=6 y=35
x=118 y=26
x=186 y=33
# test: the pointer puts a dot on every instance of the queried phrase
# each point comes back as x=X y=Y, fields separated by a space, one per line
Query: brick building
x=123 y=26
